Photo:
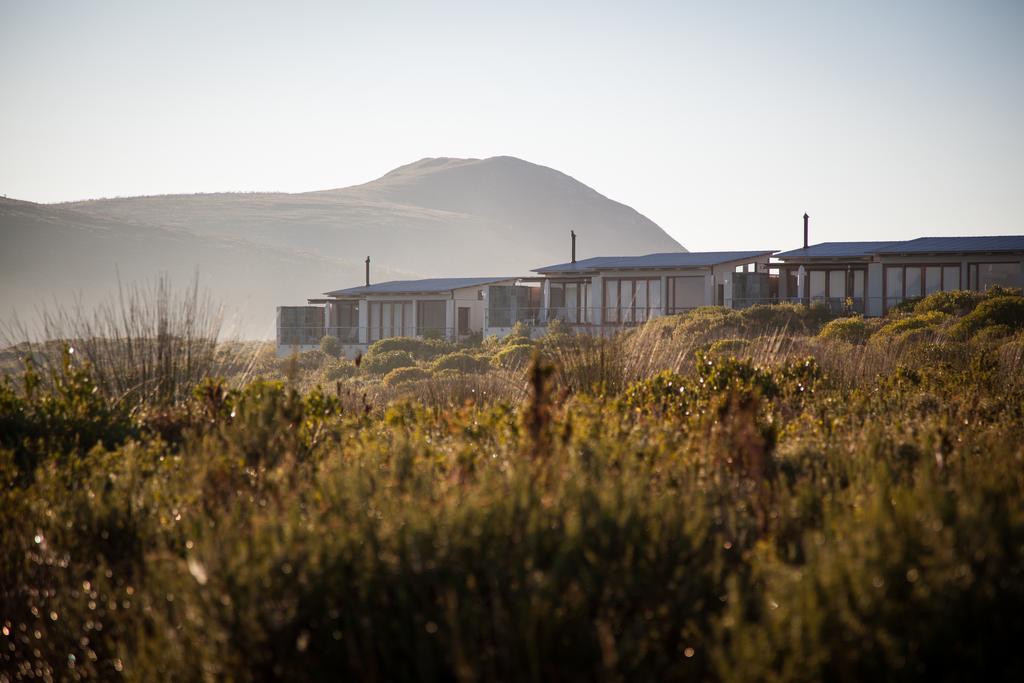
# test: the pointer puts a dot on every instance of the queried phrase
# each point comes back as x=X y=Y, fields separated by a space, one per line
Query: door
x=463 y=320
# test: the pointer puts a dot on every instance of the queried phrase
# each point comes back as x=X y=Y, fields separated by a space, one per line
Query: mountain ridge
x=437 y=216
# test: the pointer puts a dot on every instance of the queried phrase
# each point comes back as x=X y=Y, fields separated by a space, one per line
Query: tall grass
x=151 y=343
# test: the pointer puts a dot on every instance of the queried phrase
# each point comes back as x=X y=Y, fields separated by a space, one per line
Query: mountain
x=434 y=217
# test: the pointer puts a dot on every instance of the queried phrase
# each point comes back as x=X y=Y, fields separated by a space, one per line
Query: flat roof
x=433 y=285
x=942 y=245
x=836 y=250
x=671 y=259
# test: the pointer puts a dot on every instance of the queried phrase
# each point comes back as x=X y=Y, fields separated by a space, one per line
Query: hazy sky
x=721 y=121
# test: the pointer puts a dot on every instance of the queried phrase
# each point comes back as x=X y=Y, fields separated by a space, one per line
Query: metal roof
x=939 y=245
x=434 y=285
x=671 y=259
x=836 y=250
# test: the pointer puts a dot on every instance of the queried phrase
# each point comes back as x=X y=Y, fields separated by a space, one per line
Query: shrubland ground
x=767 y=494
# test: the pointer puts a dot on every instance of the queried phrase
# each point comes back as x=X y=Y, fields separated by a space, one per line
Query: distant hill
x=434 y=217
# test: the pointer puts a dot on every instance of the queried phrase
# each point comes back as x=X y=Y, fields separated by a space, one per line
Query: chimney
x=806 y=217
x=368 y=270
x=573 y=233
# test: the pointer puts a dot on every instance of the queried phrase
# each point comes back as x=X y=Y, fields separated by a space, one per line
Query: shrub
x=727 y=347
x=422 y=349
x=958 y=302
x=331 y=346
x=853 y=330
x=307 y=360
x=340 y=369
x=515 y=356
x=999 y=310
x=404 y=375
x=461 y=361
x=384 y=362
x=923 y=321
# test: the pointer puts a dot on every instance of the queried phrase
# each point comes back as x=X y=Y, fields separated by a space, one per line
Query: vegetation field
x=768 y=494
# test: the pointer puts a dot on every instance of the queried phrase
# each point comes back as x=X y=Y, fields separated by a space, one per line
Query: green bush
x=340 y=369
x=959 y=302
x=999 y=310
x=722 y=520
x=461 y=361
x=381 y=363
x=330 y=346
x=727 y=347
x=852 y=330
x=515 y=356
x=405 y=375
x=422 y=349
x=929 y=321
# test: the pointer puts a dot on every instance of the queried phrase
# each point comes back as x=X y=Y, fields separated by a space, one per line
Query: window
x=932 y=279
x=611 y=301
x=430 y=318
x=389 y=319
x=858 y=284
x=912 y=286
x=1001 y=274
x=631 y=300
x=817 y=284
x=837 y=284
x=685 y=292
x=568 y=301
x=951 y=278
x=893 y=285
x=345 y=321
x=463 y=320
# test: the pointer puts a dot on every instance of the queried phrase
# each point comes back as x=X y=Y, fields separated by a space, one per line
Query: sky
x=721 y=121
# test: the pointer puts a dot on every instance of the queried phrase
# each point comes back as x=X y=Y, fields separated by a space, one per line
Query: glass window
x=837 y=284
x=654 y=296
x=374 y=321
x=625 y=300
x=817 y=285
x=951 y=278
x=385 y=317
x=611 y=301
x=858 y=284
x=893 y=285
x=430 y=318
x=641 y=301
x=557 y=303
x=571 y=302
x=407 y=327
x=1002 y=274
x=913 y=285
x=932 y=279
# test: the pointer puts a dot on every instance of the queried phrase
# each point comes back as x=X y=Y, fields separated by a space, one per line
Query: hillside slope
x=434 y=217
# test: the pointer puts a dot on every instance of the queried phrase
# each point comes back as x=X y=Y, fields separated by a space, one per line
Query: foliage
x=419 y=348
x=331 y=346
x=852 y=330
x=381 y=363
x=514 y=356
x=462 y=361
x=929 y=321
x=404 y=375
x=998 y=310
x=626 y=509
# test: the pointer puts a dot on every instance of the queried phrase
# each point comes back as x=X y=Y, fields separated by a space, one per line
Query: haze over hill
x=434 y=217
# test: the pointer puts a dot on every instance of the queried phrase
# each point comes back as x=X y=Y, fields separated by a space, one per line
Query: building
x=610 y=291
x=605 y=293
x=871 y=277
x=447 y=308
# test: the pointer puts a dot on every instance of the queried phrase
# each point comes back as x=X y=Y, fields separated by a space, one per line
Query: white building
x=447 y=308
x=610 y=291
x=871 y=277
